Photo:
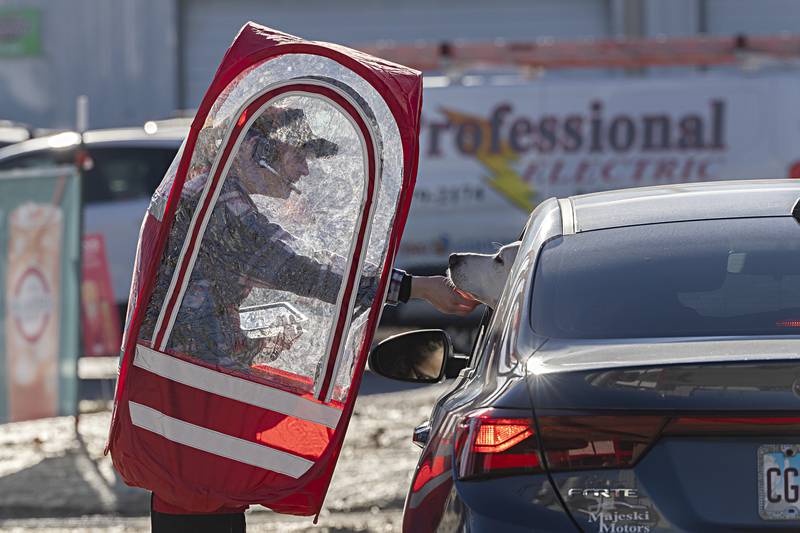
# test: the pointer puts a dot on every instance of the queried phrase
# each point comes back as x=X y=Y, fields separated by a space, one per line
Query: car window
x=40 y=158
x=682 y=279
x=111 y=174
x=117 y=174
x=480 y=337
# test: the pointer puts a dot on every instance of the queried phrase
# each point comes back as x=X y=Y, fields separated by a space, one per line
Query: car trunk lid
x=687 y=434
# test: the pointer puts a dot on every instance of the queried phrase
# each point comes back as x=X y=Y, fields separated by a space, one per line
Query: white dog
x=483 y=275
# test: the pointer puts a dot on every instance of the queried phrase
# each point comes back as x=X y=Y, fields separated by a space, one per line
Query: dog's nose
x=453 y=260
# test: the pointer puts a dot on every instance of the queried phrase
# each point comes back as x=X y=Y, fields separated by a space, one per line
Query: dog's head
x=483 y=275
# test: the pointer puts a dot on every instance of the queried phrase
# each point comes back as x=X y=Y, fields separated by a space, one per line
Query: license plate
x=779 y=481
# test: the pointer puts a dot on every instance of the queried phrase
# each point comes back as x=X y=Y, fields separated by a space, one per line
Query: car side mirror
x=424 y=356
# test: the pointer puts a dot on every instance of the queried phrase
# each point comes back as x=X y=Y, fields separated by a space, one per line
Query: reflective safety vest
x=261 y=270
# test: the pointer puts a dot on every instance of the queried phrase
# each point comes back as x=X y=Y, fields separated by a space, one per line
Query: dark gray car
x=641 y=372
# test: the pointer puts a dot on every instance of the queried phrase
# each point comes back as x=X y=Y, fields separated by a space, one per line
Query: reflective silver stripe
x=235 y=388
x=217 y=443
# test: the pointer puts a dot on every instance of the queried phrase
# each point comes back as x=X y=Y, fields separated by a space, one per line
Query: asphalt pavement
x=53 y=478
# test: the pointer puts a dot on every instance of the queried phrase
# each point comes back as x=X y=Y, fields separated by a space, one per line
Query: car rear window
x=682 y=279
x=113 y=174
x=118 y=174
x=39 y=158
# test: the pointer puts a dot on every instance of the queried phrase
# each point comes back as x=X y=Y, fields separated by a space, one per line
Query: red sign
x=101 y=327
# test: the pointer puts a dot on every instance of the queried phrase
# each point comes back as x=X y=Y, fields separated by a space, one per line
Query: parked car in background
x=123 y=168
x=14 y=132
x=640 y=373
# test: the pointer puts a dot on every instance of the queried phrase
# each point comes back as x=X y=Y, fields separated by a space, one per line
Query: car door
x=433 y=477
x=262 y=267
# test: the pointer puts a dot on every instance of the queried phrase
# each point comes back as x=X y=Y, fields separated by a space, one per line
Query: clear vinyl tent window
x=378 y=117
x=264 y=291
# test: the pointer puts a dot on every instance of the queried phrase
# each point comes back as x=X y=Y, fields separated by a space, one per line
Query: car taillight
x=496 y=442
x=493 y=442
x=597 y=441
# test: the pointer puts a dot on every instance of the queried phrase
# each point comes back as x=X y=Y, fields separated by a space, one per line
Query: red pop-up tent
x=262 y=268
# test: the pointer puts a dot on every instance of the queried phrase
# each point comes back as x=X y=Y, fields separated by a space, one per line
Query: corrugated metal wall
x=210 y=25
x=727 y=17
x=121 y=53
x=142 y=59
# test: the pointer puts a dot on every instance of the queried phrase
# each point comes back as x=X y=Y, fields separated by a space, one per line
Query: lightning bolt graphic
x=502 y=177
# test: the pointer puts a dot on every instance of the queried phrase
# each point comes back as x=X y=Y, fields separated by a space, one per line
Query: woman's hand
x=442 y=294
